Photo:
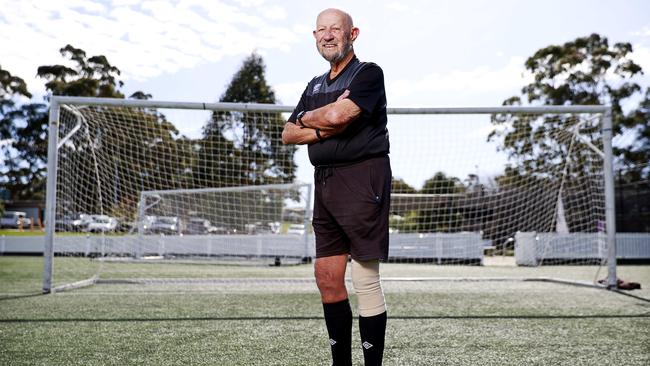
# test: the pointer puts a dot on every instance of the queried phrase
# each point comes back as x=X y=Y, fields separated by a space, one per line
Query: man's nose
x=328 y=36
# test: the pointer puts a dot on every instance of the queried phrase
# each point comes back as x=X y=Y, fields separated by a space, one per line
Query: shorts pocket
x=359 y=181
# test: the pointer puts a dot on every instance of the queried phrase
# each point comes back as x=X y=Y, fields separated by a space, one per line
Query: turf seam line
x=265 y=318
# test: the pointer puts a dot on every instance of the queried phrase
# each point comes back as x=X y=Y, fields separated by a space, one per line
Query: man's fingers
x=344 y=95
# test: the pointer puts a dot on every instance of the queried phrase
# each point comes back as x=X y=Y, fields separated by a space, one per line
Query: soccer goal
x=141 y=189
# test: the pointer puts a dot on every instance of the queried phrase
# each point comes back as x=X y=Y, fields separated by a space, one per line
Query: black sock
x=373 y=331
x=338 y=318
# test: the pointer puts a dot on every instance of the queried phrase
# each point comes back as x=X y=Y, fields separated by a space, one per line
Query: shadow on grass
x=631 y=295
x=286 y=318
x=21 y=296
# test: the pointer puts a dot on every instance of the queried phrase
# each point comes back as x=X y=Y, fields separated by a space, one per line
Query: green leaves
x=245 y=148
x=89 y=77
x=26 y=125
x=585 y=71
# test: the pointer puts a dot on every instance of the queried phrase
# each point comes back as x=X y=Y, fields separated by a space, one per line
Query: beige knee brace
x=367 y=285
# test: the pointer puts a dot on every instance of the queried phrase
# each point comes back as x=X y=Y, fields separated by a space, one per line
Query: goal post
x=129 y=185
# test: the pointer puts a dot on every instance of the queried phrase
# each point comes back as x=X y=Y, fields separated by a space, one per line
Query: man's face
x=333 y=36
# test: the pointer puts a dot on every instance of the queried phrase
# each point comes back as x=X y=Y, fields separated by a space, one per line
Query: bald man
x=342 y=117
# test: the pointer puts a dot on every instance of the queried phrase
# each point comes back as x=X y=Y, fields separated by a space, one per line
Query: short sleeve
x=367 y=88
x=300 y=107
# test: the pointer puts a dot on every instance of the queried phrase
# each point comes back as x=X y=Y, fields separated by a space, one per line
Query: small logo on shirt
x=332 y=342
x=317 y=88
x=366 y=345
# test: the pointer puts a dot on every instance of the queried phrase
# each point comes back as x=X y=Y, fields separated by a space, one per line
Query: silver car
x=101 y=223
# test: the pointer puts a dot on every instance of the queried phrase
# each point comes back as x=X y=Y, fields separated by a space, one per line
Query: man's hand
x=334 y=117
x=344 y=95
x=296 y=135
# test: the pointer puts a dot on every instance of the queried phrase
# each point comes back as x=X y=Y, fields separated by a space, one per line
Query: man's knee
x=330 y=279
x=327 y=282
x=367 y=285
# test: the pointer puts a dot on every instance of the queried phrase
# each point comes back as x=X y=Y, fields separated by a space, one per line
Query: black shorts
x=351 y=208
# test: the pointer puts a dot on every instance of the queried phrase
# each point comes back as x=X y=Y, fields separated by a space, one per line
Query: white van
x=14 y=218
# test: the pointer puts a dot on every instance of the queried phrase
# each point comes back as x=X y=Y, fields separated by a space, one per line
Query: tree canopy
x=27 y=125
x=235 y=149
x=246 y=147
x=585 y=71
x=22 y=169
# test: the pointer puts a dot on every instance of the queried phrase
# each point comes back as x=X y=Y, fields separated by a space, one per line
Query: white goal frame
x=56 y=102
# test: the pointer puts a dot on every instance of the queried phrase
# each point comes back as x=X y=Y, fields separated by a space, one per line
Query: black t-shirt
x=366 y=136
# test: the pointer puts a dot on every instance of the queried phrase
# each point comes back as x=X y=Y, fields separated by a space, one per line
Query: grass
x=38 y=232
x=273 y=316
x=16 y=232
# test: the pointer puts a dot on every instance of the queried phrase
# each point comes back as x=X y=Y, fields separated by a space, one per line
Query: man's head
x=335 y=33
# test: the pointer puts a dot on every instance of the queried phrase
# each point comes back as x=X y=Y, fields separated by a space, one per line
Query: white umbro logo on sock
x=332 y=342
x=366 y=345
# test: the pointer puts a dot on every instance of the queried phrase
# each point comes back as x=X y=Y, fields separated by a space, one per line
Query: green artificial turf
x=238 y=315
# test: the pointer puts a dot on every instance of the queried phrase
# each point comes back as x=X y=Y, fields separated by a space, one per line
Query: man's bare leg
x=330 y=278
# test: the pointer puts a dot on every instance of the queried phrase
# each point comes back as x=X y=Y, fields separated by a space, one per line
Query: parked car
x=101 y=223
x=126 y=226
x=275 y=227
x=166 y=225
x=297 y=229
x=144 y=224
x=73 y=222
x=198 y=226
x=258 y=228
x=14 y=219
x=263 y=227
x=221 y=228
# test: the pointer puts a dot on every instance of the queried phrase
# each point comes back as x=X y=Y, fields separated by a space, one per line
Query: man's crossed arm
x=328 y=121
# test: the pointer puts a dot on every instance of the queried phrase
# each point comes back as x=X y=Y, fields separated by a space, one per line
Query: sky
x=433 y=53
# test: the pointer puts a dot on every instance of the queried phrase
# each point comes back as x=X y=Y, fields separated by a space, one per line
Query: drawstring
x=322 y=173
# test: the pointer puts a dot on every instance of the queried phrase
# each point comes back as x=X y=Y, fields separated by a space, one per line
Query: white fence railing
x=530 y=248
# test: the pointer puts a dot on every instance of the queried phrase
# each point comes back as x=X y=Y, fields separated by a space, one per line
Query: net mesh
x=138 y=186
x=483 y=183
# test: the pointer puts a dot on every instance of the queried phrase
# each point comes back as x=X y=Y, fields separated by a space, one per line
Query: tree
x=544 y=153
x=17 y=127
x=245 y=148
x=398 y=185
x=586 y=71
x=442 y=212
x=27 y=125
x=636 y=157
x=11 y=87
x=440 y=183
x=91 y=76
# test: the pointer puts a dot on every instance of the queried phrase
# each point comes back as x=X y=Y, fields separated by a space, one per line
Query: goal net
x=161 y=191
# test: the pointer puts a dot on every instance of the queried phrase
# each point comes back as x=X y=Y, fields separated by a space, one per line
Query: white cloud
x=125 y=2
x=643 y=32
x=289 y=93
x=89 y=6
x=144 y=39
x=397 y=6
x=641 y=56
x=250 y=3
x=481 y=79
x=274 y=12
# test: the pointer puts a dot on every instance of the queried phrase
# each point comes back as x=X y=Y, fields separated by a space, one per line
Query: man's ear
x=354 y=33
